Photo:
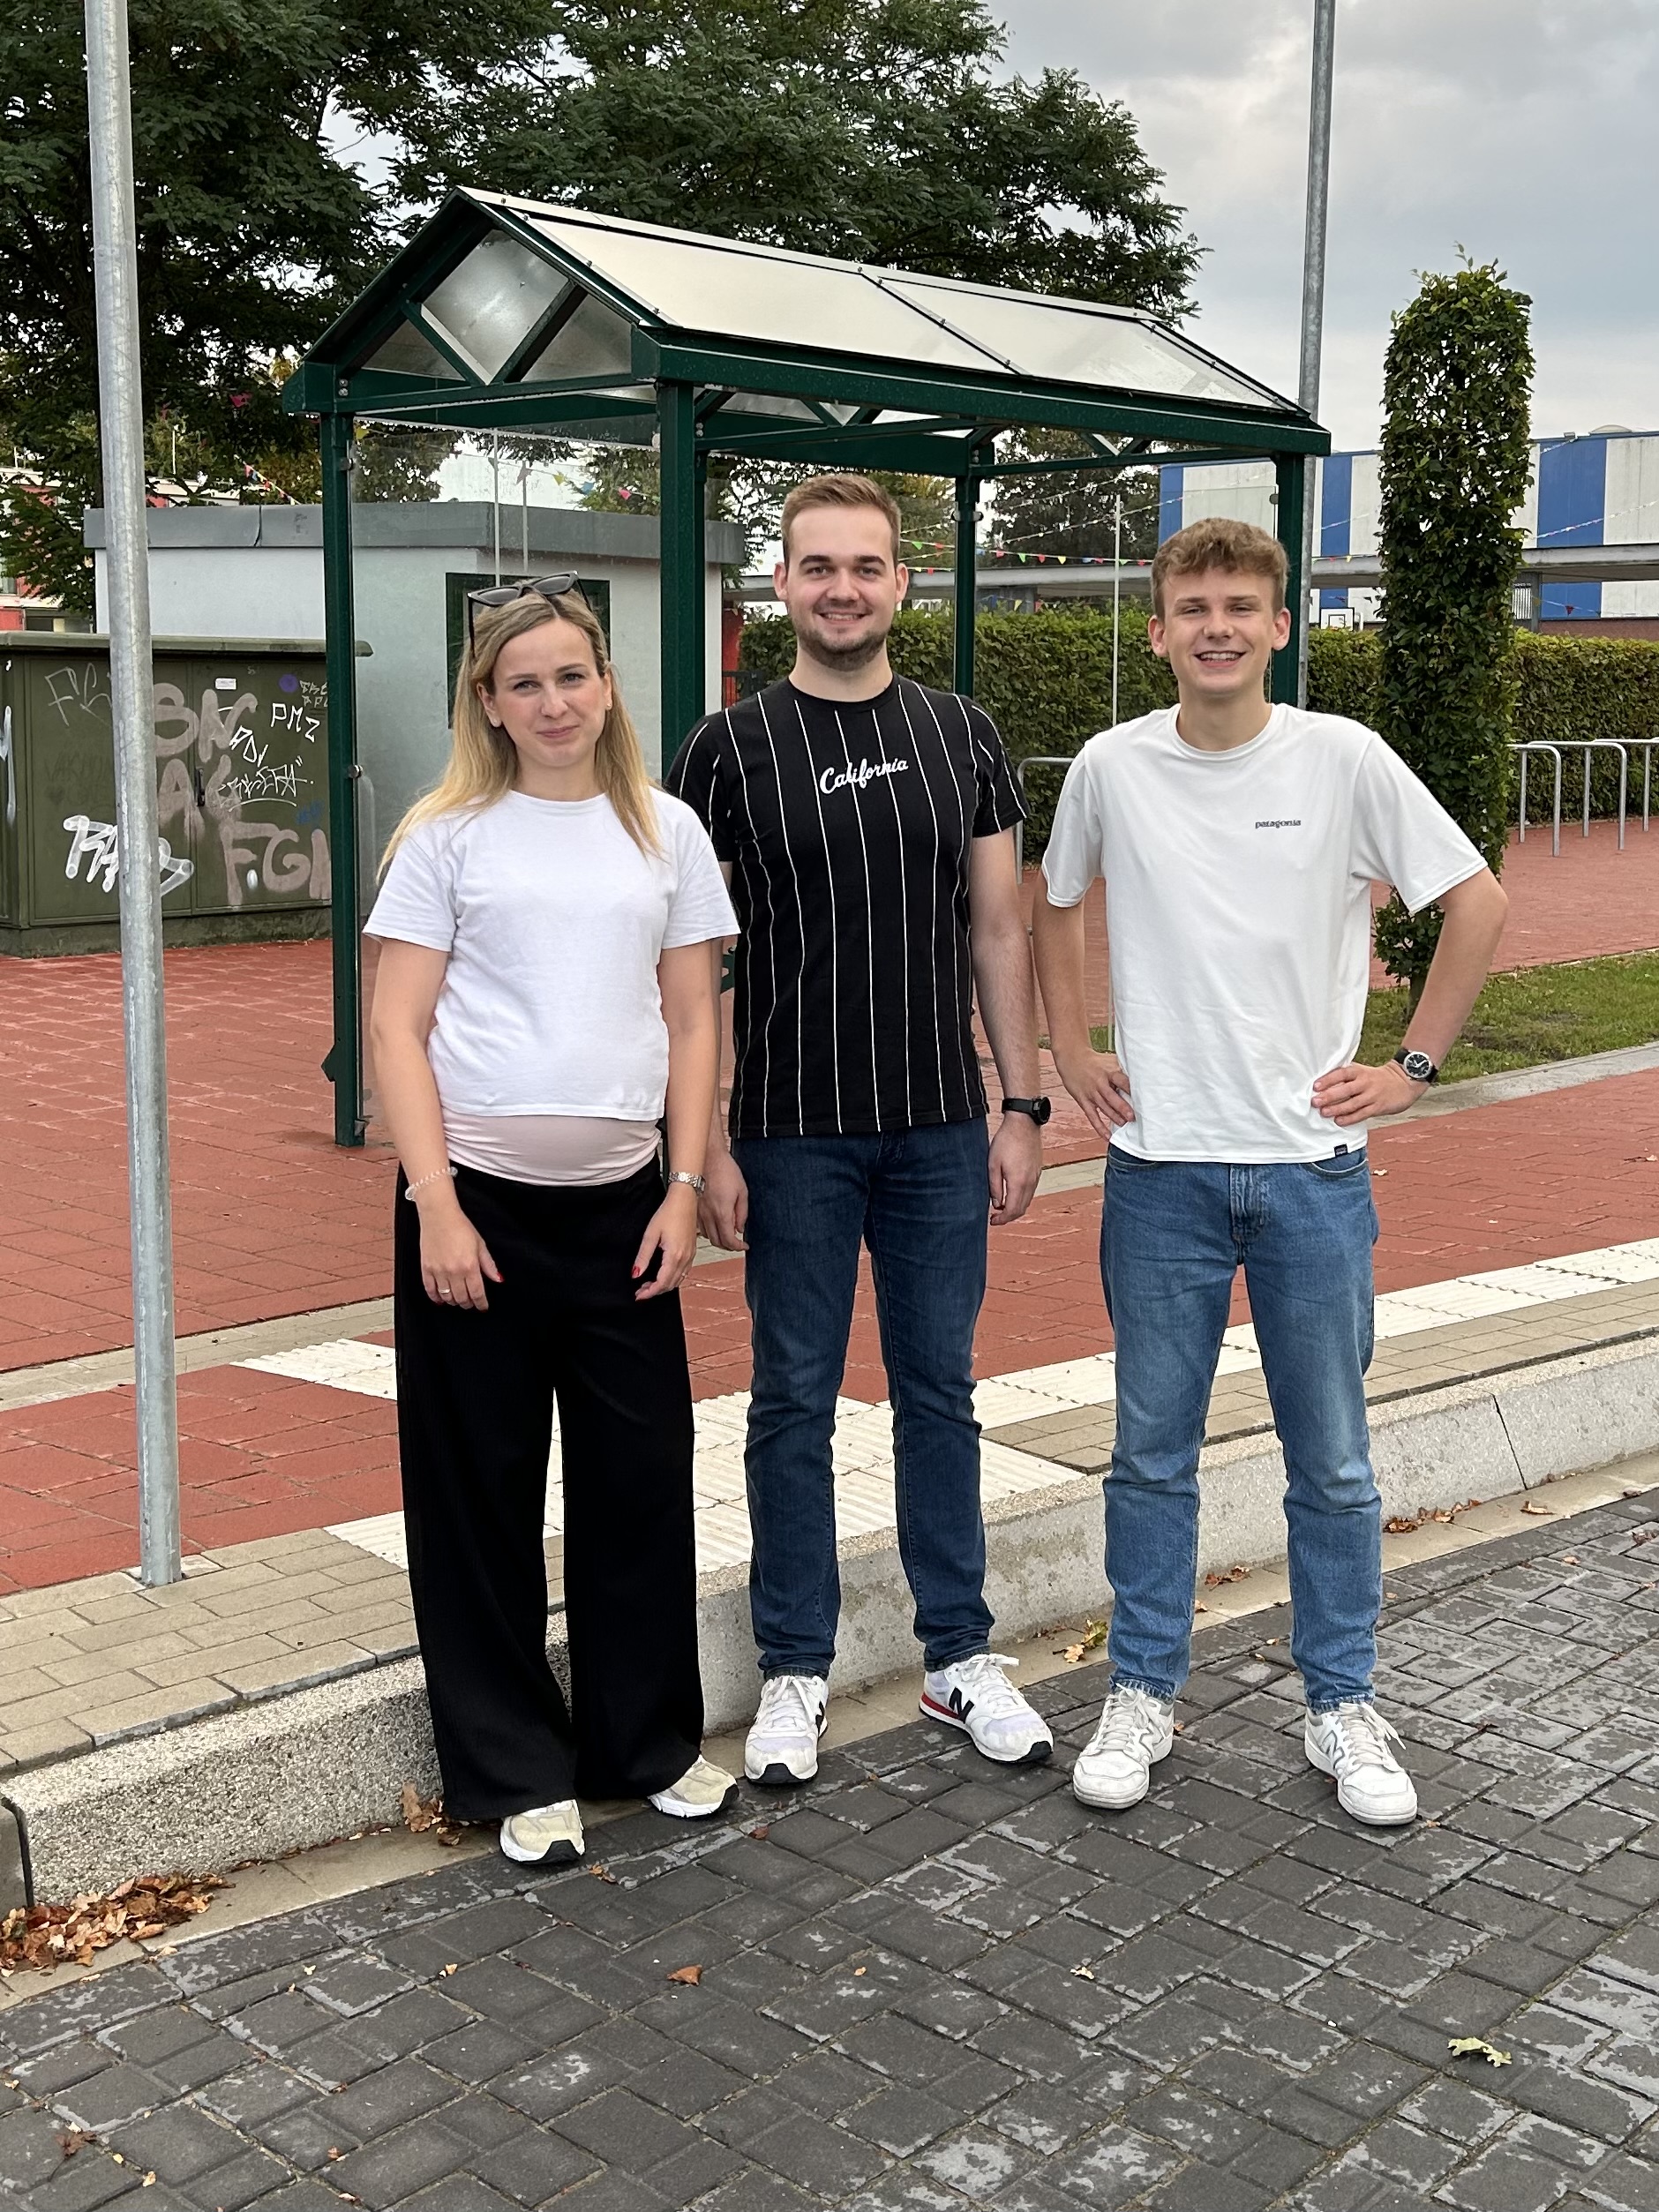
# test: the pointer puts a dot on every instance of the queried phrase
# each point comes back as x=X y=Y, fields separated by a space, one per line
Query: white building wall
x=1243 y=489
x=257 y=591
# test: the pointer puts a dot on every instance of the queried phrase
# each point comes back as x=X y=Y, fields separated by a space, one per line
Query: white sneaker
x=1137 y=1729
x=783 y=1744
x=1354 y=1742
x=547 y=1835
x=976 y=1695
x=703 y=1791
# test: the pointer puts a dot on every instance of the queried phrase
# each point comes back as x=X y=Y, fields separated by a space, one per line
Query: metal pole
x=966 y=563
x=121 y=412
x=1118 y=579
x=1313 y=282
x=682 y=577
x=344 y=1064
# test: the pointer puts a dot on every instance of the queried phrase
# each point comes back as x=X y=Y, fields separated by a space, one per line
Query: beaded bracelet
x=435 y=1176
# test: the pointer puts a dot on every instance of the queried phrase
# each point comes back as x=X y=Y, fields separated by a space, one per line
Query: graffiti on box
x=95 y=843
x=241 y=772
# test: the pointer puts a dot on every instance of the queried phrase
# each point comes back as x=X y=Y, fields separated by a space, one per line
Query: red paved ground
x=1492 y=1187
x=269 y=1218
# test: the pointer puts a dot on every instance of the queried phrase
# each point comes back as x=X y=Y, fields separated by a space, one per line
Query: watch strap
x=1039 y=1109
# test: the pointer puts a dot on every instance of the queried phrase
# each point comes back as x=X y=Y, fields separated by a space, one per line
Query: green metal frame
x=687 y=378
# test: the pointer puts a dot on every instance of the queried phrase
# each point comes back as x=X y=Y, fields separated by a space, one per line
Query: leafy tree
x=252 y=231
x=1455 y=460
x=870 y=129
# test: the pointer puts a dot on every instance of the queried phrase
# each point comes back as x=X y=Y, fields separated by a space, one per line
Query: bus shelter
x=510 y=315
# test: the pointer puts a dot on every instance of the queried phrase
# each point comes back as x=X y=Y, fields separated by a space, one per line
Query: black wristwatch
x=1418 y=1066
x=1039 y=1109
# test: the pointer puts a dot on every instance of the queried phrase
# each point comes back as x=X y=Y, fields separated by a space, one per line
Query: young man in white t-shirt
x=1238 y=841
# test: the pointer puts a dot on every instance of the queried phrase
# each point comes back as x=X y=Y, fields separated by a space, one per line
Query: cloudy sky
x=1523 y=130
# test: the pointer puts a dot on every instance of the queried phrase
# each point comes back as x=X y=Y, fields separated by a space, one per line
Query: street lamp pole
x=121 y=422
x=1313 y=286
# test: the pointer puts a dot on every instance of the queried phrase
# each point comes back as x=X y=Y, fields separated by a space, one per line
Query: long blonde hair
x=483 y=760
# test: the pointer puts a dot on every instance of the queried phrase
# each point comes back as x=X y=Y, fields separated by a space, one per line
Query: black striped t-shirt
x=849 y=829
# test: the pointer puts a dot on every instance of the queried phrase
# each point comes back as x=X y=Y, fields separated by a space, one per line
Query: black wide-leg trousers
x=475 y=1395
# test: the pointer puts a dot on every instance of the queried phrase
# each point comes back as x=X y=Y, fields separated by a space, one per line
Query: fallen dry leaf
x=1093 y=1635
x=443 y=1972
x=761 y=1831
x=859 y=1970
x=1401 y=1526
x=1084 y=1973
x=691 y=1974
x=41 y=1938
x=423 y=1815
x=1228 y=1574
x=1532 y=1506
x=602 y=1874
x=1477 y=2047
x=74 y=2139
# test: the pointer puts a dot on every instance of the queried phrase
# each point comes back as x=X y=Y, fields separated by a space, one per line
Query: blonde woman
x=544 y=992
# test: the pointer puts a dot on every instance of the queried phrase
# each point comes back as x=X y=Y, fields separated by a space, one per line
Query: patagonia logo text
x=842 y=779
x=1280 y=822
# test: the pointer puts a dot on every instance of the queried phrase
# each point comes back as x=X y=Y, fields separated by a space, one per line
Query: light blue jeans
x=1173 y=1234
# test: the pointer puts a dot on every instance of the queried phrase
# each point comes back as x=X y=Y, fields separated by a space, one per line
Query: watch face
x=1418 y=1066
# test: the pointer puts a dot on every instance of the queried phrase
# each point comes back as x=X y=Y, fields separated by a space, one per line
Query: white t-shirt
x=1238 y=908
x=553 y=920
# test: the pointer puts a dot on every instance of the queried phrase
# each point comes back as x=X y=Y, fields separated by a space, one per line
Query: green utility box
x=242 y=784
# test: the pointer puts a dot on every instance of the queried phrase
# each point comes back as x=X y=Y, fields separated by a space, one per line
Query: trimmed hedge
x=1047 y=681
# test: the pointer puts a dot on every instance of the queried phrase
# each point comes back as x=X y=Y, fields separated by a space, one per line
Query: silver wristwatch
x=1417 y=1065
x=680 y=1176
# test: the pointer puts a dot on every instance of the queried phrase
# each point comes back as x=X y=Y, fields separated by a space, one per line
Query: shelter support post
x=1294 y=472
x=681 y=578
x=121 y=424
x=966 y=564
x=344 y=1064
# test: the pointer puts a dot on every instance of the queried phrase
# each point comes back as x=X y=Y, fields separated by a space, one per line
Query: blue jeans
x=919 y=1200
x=1172 y=1235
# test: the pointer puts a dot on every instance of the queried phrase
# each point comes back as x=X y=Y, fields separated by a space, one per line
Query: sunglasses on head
x=503 y=595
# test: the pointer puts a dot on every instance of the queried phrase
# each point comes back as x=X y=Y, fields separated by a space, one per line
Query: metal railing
x=1537 y=744
x=1623 y=747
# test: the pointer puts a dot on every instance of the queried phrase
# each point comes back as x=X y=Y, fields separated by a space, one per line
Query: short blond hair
x=1219 y=541
x=840 y=492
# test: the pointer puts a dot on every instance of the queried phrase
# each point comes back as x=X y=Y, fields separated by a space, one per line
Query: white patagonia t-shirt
x=1238 y=908
x=554 y=921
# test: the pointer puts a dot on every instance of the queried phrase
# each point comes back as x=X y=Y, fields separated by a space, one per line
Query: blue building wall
x=1571 y=511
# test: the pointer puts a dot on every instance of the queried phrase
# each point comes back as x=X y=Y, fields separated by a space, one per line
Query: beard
x=845 y=653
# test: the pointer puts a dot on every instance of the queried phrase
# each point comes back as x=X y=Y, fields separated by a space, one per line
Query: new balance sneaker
x=783 y=1743
x=547 y=1835
x=1137 y=1729
x=1355 y=1745
x=701 y=1791
x=976 y=1695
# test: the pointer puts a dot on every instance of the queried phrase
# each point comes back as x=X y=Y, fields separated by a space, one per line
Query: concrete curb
x=303 y=1767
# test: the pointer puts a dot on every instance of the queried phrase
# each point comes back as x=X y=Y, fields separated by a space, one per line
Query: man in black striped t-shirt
x=865 y=824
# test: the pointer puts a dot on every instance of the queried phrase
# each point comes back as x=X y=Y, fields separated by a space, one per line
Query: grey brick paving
x=931 y=1983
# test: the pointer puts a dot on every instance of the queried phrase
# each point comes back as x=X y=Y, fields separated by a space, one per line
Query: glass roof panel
x=708 y=285
x=490 y=303
x=409 y=352
x=1068 y=344
x=593 y=343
